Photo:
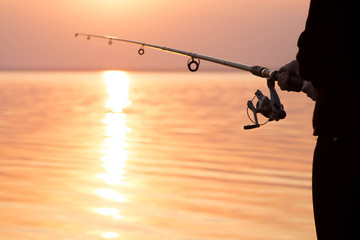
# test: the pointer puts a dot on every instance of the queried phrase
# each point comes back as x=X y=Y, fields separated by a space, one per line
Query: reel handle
x=247 y=127
x=253 y=109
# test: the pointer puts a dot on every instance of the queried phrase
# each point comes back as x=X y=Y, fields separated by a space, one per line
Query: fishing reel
x=271 y=108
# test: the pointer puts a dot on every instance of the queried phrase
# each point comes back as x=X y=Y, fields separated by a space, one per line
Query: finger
x=283 y=80
x=283 y=77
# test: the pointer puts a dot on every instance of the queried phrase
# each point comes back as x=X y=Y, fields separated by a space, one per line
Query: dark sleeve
x=321 y=44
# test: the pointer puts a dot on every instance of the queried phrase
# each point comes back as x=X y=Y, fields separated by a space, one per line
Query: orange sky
x=40 y=34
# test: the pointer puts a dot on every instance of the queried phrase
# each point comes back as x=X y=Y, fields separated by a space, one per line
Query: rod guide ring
x=141 y=51
x=193 y=64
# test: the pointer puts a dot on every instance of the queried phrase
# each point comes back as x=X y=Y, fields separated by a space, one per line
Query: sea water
x=150 y=155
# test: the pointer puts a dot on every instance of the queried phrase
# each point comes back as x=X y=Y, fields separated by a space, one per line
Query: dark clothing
x=336 y=184
x=328 y=57
x=328 y=52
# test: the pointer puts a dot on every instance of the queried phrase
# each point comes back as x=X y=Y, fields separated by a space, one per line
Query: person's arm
x=292 y=69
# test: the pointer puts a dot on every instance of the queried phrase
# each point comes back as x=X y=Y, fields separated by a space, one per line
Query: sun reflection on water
x=117 y=85
x=108 y=211
x=111 y=194
x=109 y=235
x=115 y=145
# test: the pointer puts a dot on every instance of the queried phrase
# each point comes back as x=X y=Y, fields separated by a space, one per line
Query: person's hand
x=286 y=79
x=291 y=67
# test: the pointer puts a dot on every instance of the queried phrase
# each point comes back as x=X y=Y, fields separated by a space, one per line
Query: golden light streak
x=117 y=86
x=109 y=235
x=111 y=194
x=108 y=211
x=115 y=145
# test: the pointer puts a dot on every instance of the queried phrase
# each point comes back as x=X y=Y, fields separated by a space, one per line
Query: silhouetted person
x=328 y=59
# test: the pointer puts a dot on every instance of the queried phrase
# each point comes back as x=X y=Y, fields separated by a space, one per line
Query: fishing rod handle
x=295 y=82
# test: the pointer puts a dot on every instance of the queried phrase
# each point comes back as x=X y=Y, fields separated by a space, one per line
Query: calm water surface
x=114 y=155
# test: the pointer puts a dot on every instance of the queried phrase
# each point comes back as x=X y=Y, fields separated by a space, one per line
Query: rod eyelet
x=193 y=64
x=141 y=51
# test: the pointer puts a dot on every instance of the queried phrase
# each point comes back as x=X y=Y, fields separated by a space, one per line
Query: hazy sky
x=40 y=34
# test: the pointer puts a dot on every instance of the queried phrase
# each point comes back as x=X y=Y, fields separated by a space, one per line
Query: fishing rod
x=270 y=108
